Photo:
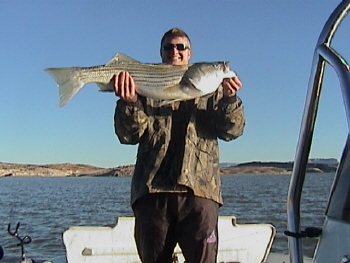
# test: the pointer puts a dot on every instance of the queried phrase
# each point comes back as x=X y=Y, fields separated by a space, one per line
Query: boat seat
x=248 y=243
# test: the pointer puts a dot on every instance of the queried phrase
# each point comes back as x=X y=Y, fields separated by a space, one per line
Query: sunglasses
x=179 y=47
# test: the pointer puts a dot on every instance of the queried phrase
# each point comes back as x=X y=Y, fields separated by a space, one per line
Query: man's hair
x=175 y=32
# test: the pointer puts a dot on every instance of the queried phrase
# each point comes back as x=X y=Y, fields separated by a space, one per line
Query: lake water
x=46 y=207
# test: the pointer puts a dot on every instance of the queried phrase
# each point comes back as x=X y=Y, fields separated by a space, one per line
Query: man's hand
x=231 y=86
x=124 y=87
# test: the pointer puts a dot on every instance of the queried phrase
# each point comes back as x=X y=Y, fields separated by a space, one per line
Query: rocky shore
x=61 y=170
x=79 y=170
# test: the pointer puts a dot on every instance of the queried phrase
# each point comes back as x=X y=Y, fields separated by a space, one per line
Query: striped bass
x=156 y=81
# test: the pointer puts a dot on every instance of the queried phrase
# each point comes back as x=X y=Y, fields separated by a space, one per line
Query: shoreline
x=82 y=170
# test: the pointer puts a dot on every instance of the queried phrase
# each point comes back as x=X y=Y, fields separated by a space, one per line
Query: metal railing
x=323 y=54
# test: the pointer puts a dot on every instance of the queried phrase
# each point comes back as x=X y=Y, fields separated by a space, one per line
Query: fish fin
x=119 y=57
x=68 y=83
x=167 y=102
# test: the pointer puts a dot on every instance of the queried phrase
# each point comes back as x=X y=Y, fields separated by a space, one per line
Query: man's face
x=175 y=51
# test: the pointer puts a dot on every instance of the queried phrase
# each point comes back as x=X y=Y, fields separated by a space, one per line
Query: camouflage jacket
x=178 y=143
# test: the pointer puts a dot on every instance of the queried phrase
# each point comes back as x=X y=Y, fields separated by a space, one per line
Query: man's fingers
x=121 y=84
x=238 y=82
x=126 y=85
x=115 y=84
x=132 y=84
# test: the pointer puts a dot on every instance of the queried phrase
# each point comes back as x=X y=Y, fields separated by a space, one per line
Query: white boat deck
x=248 y=243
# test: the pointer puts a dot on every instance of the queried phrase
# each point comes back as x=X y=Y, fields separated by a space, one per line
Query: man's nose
x=174 y=50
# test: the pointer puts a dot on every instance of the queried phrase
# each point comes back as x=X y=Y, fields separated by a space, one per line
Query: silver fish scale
x=145 y=75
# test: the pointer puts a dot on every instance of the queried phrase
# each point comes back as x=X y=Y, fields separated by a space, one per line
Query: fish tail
x=68 y=82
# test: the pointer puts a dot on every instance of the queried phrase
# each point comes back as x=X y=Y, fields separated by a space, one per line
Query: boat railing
x=323 y=54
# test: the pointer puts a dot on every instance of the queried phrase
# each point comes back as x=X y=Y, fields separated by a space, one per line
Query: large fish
x=156 y=81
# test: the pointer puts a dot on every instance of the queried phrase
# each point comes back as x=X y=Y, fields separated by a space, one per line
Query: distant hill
x=275 y=168
x=78 y=170
x=61 y=170
x=329 y=161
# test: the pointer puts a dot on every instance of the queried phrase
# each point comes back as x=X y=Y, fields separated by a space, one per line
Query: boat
x=251 y=243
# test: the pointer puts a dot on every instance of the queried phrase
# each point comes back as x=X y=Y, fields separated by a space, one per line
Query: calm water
x=47 y=206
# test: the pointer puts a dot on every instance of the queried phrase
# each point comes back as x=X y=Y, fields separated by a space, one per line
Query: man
x=175 y=189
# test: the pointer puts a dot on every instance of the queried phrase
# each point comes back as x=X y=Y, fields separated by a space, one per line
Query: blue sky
x=270 y=45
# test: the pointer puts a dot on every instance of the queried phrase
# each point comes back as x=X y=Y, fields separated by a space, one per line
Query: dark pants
x=164 y=219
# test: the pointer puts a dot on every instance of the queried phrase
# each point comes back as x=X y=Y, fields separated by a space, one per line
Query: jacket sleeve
x=130 y=121
x=230 y=120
